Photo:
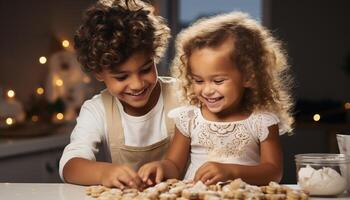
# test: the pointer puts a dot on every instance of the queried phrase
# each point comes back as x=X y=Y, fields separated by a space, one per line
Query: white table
x=60 y=191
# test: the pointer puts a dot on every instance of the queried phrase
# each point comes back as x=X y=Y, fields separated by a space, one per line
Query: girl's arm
x=177 y=156
x=174 y=163
x=269 y=169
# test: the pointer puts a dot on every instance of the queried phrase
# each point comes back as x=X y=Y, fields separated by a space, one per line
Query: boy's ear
x=98 y=76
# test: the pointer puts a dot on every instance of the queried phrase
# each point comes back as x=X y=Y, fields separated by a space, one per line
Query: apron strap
x=114 y=129
x=170 y=100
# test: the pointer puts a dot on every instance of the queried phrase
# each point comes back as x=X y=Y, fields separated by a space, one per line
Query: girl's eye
x=197 y=81
x=218 y=82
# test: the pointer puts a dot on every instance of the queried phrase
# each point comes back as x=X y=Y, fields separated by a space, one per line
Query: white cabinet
x=34 y=159
x=35 y=167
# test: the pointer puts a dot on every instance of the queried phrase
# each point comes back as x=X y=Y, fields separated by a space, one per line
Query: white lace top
x=225 y=142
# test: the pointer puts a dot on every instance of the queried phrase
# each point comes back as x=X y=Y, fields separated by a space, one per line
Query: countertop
x=61 y=191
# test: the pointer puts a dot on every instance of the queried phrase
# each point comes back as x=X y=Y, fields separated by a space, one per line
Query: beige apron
x=133 y=156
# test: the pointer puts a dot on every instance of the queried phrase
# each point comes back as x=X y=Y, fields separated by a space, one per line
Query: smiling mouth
x=213 y=100
x=139 y=93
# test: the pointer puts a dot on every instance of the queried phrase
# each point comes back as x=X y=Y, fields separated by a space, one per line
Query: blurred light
x=35 y=118
x=42 y=60
x=59 y=116
x=317 y=117
x=65 y=43
x=347 y=105
x=11 y=93
x=59 y=82
x=40 y=90
x=9 y=121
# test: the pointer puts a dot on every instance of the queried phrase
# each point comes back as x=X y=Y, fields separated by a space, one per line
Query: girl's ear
x=248 y=81
x=98 y=76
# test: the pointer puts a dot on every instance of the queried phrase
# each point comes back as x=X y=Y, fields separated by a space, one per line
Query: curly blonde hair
x=257 y=54
x=113 y=30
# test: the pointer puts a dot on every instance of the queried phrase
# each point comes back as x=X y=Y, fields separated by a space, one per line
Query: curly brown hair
x=113 y=30
x=257 y=54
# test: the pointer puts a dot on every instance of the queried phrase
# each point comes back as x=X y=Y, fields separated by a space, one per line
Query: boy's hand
x=212 y=172
x=120 y=176
x=152 y=172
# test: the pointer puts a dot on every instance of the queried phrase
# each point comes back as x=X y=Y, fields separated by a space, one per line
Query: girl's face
x=217 y=82
x=133 y=83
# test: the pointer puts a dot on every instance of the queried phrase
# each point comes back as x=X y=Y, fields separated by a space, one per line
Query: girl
x=120 y=43
x=233 y=74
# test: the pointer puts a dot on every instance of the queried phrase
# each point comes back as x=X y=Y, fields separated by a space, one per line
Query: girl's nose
x=208 y=89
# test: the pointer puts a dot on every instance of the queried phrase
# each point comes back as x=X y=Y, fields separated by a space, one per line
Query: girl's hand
x=120 y=176
x=212 y=172
x=152 y=172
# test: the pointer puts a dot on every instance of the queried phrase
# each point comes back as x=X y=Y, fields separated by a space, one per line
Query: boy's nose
x=137 y=83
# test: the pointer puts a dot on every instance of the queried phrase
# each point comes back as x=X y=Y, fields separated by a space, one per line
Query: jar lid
x=320 y=158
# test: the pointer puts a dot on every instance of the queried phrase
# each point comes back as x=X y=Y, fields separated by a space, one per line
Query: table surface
x=61 y=191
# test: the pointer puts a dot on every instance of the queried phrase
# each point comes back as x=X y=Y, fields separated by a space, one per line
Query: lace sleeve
x=182 y=117
x=266 y=120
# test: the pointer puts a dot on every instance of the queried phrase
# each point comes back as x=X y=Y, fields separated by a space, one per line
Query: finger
x=141 y=173
x=212 y=180
x=135 y=180
x=159 y=175
x=147 y=173
x=200 y=172
x=207 y=176
x=149 y=181
x=116 y=183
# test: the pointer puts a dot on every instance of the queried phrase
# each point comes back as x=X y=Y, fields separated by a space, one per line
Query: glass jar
x=323 y=174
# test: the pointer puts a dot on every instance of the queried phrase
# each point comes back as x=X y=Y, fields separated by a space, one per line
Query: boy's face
x=217 y=82
x=132 y=83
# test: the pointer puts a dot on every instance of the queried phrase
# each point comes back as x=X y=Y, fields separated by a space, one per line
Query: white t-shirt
x=225 y=142
x=91 y=130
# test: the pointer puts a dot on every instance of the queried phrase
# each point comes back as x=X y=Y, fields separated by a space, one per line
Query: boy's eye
x=146 y=70
x=121 y=77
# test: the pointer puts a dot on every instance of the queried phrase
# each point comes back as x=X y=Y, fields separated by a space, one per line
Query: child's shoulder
x=264 y=118
x=94 y=102
x=167 y=79
x=264 y=115
x=187 y=110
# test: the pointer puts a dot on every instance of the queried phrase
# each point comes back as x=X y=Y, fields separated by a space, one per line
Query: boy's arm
x=176 y=158
x=269 y=169
x=86 y=172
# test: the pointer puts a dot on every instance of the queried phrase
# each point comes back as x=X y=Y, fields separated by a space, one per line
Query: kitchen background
x=39 y=101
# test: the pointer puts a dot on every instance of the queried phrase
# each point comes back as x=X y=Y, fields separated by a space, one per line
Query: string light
x=42 y=60
x=59 y=116
x=35 y=118
x=59 y=82
x=317 y=117
x=40 y=90
x=65 y=43
x=9 y=121
x=11 y=93
x=347 y=106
